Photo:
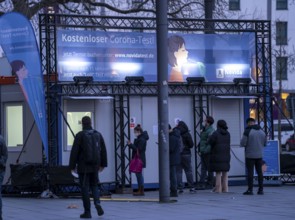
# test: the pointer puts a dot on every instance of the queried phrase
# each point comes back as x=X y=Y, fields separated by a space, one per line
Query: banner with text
x=111 y=56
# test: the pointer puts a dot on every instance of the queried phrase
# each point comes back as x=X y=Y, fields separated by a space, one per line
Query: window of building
x=281 y=33
x=14 y=125
x=74 y=120
x=282 y=68
x=282 y=4
x=234 y=5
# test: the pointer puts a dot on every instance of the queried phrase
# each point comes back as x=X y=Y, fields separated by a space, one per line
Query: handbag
x=136 y=164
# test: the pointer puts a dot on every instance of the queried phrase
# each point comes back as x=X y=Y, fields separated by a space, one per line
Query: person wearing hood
x=254 y=141
x=139 y=146
x=174 y=159
x=186 y=157
x=220 y=156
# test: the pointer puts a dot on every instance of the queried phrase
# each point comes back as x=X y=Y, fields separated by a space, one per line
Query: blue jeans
x=2 y=173
x=140 y=180
x=89 y=181
x=186 y=165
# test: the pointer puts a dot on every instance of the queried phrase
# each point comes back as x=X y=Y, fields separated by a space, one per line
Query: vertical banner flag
x=18 y=41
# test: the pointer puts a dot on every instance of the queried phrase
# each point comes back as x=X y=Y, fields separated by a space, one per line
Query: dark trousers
x=89 y=181
x=140 y=180
x=2 y=173
x=173 y=178
x=205 y=163
x=186 y=165
x=250 y=164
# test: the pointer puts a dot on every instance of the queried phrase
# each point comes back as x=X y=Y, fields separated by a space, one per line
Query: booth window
x=281 y=68
x=282 y=4
x=14 y=125
x=74 y=120
x=234 y=5
x=281 y=33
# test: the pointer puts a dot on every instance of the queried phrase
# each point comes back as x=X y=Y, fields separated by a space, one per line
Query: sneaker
x=99 y=210
x=192 y=190
x=248 y=192
x=180 y=191
x=260 y=192
x=85 y=215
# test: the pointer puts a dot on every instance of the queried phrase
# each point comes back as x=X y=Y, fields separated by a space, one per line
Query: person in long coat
x=220 y=156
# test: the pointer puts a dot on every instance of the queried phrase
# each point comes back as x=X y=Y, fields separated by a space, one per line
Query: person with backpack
x=3 y=159
x=89 y=156
x=139 y=147
x=186 y=157
x=206 y=179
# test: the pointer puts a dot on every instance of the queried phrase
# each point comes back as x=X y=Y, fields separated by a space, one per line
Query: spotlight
x=83 y=79
x=134 y=79
x=195 y=80
x=242 y=81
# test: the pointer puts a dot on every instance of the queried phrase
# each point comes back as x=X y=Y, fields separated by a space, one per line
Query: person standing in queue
x=185 y=157
x=174 y=159
x=254 y=141
x=220 y=156
x=206 y=179
x=139 y=146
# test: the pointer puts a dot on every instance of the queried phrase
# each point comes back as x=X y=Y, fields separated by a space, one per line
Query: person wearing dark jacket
x=174 y=159
x=254 y=141
x=139 y=146
x=3 y=159
x=88 y=172
x=206 y=178
x=186 y=160
x=220 y=156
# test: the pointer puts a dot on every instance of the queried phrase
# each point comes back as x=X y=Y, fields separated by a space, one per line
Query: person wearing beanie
x=220 y=156
x=206 y=179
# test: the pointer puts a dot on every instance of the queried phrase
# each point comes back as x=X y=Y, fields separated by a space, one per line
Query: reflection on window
x=14 y=125
x=281 y=68
x=75 y=121
x=281 y=33
x=234 y=5
x=282 y=4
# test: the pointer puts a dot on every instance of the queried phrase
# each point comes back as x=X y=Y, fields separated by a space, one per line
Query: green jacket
x=204 y=147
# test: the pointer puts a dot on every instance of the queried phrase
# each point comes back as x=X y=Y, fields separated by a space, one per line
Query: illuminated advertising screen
x=111 y=56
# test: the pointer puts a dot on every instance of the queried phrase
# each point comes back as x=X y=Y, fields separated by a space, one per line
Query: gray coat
x=254 y=140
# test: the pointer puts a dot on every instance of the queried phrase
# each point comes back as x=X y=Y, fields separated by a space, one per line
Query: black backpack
x=91 y=147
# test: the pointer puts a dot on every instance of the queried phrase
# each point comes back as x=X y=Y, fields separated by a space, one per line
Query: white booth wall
x=144 y=111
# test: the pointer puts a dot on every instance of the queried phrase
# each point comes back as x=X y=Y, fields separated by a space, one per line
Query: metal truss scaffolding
x=261 y=90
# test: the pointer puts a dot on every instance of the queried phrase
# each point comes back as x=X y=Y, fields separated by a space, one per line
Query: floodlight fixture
x=195 y=80
x=83 y=79
x=242 y=81
x=134 y=79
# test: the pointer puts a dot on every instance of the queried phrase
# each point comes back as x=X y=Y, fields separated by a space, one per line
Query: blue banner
x=18 y=42
x=271 y=158
x=111 y=56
